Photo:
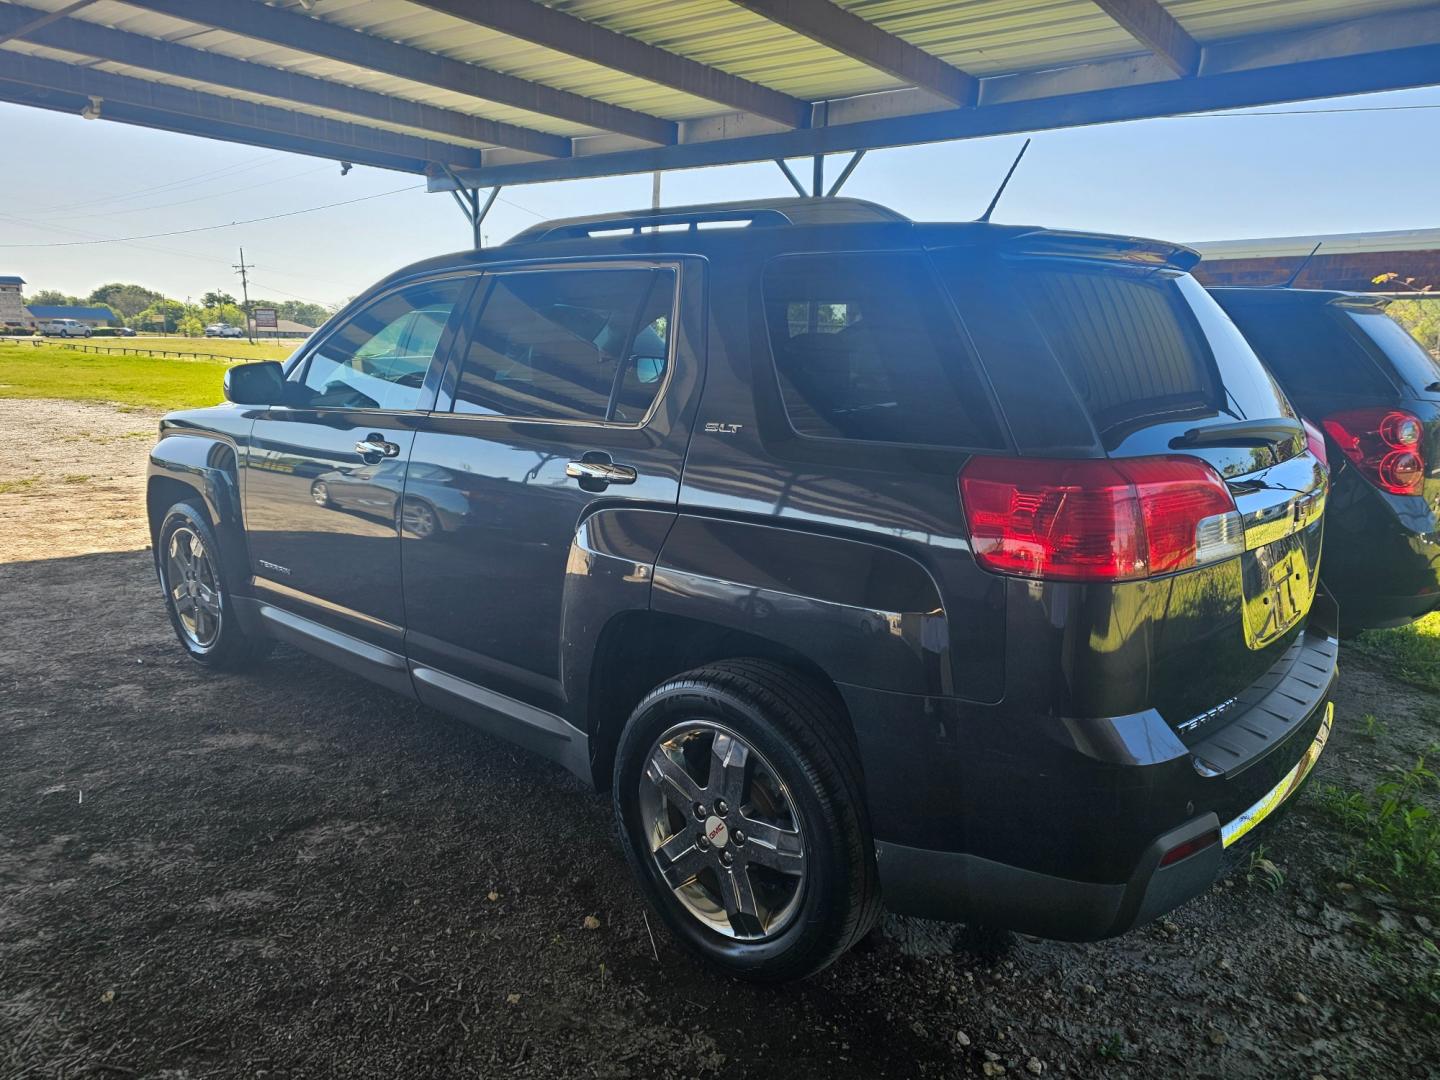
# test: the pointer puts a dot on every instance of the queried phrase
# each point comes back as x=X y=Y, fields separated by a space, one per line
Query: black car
x=1358 y=376
x=970 y=565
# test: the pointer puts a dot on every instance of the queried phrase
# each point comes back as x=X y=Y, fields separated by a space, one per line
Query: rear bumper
x=1057 y=827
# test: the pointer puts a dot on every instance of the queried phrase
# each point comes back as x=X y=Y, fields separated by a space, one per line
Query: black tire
x=230 y=648
x=795 y=727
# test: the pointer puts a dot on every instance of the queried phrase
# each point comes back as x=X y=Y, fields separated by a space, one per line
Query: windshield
x=1413 y=364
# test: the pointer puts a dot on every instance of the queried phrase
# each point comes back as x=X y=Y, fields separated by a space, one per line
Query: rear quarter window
x=867 y=348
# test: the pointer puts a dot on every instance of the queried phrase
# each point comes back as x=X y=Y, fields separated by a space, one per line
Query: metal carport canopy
x=478 y=93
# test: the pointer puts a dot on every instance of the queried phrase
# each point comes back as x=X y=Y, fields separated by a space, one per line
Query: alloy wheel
x=194 y=587
x=723 y=831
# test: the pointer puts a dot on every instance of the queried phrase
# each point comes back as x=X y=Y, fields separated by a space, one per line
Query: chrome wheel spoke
x=769 y=845
x=673 y=781
x=739 y=900
x=680 y=860
x=209 y=600
x=728 y=756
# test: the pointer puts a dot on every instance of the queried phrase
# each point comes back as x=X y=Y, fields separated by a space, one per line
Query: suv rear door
x=564 y=416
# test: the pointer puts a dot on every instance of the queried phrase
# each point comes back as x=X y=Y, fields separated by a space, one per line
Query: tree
x=223 y=313
x=215 y=298
x=191 y=326
x=123 y=298
x=52 y=298
x=163 y=315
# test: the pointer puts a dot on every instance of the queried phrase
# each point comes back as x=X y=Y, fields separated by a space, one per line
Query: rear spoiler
x=1127 y=249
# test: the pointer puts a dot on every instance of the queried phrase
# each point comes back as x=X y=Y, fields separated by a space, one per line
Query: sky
x=1302 y=169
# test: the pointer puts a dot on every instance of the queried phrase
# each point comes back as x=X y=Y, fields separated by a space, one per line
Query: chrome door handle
x=604 y=472
x=375 y=446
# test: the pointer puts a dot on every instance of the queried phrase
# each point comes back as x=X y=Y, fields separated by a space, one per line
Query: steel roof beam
x=37 y=20
x=1159 y=31
x=860 y=40
x=252 y=19
x=1363 y=56
x=119 y=112
x=344 y=139
x=136 y=50
x=554 y=29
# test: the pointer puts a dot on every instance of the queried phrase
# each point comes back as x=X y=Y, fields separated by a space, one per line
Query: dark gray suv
x=967 y=565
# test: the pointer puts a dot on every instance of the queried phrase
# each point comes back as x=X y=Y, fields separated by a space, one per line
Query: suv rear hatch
x=1164 y=386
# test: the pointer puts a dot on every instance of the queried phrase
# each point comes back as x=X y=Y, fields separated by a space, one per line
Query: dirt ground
x=291 y=873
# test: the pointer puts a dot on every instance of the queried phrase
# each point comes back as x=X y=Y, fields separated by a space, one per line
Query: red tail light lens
x=1097 y=519
x=1315 y=443
x=1384 y=444
x=1190 y=847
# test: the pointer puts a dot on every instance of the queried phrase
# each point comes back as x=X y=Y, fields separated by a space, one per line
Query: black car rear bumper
x=1058 y=827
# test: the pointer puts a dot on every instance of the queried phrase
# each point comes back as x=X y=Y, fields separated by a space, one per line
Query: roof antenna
x=1299 y=269
x=1004 y=183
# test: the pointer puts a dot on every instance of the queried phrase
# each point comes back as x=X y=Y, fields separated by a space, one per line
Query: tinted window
x=1310 y=349
x=1416 y=367
x=378 y=358
x=1146 y=347
x=865 y=347
x=570 y=345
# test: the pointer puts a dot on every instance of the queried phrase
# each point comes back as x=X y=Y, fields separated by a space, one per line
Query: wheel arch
x=638 y=650
x=202 y=471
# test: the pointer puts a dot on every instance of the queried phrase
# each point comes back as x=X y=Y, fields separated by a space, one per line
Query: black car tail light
x=1384 y=445
x=1098 y=519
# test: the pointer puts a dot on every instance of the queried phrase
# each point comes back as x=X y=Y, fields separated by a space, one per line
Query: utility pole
x=241 y=269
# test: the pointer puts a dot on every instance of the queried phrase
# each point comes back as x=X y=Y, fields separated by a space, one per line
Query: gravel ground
x=290 y=873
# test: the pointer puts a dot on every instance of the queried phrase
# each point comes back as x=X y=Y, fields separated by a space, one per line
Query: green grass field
x=140 y=381
x=1411 y=652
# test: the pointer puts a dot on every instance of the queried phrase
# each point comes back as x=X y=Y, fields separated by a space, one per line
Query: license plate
x=1279 y=588
x=1234 y=830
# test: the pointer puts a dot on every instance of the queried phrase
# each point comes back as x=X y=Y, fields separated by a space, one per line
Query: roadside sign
x=265 y=318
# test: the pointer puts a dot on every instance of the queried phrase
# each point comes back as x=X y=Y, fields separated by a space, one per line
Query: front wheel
x=738 y=793
x=196 y=594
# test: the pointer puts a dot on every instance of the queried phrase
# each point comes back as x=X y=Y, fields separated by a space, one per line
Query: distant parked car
x=125 y=331
x=64 y=328
x=223 y=330
x=1375 y=392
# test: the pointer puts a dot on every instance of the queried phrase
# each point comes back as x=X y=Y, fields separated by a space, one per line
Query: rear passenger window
x=866 y=348
x=570 y=345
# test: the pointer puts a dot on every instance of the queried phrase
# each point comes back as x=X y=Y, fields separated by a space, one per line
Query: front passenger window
x=378 y=359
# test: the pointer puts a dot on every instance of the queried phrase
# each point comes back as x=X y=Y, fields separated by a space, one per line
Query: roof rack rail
x=692 y=220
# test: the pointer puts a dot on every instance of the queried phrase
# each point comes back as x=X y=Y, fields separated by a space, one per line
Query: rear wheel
x=196 y=593
x=738 y=795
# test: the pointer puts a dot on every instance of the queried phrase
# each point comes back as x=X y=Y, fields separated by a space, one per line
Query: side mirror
x=256 y=384
x=648 y=369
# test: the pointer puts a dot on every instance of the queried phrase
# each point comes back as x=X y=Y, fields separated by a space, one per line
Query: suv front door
x=566 y=412
x=325 y=473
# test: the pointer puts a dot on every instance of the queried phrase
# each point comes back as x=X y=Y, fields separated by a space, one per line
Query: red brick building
x=1345 y=260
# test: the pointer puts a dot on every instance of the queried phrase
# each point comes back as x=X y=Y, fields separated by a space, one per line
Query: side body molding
x=865 y=614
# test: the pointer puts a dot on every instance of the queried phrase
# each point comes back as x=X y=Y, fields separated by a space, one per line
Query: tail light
x=1384 y=444
x=1315 y=443
x=1098 y=519
x=1190 y=847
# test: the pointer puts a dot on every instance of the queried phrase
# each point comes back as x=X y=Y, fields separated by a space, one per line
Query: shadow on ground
x=293 y=872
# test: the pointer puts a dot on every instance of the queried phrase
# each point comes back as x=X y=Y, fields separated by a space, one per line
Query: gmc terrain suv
x=1373 y=389
x=970 y=565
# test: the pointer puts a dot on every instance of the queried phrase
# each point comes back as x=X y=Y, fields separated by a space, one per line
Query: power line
x=212 y=228
x=201 y=198
x=173 y=185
